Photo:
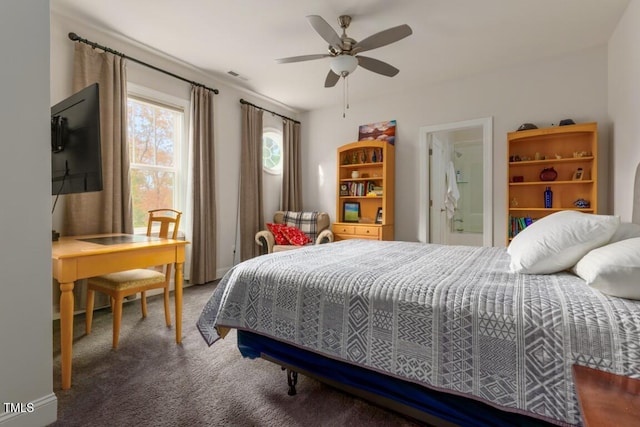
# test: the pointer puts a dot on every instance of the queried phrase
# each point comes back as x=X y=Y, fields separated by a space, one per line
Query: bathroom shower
x=465 y=150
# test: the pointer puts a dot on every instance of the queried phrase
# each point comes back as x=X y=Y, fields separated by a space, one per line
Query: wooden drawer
x=365 y=231
x=363 y=237
x=343 y=229
x=338 y=237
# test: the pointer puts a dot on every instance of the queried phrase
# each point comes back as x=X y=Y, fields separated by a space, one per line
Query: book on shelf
x=518 y=223
x=362 y=188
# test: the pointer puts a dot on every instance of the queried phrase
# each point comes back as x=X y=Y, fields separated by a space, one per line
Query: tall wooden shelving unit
x=565 y=149
x=374 y=188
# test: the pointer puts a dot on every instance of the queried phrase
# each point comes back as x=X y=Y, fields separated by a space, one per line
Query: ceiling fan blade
x=377 y=66
x=325 y=30
x=302 y=58
x=383 y=38
x=331 y=80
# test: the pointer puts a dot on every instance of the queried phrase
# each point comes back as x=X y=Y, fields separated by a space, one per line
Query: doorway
x=456 y=159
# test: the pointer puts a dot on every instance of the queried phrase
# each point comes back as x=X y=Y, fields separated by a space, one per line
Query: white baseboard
x=44 y=411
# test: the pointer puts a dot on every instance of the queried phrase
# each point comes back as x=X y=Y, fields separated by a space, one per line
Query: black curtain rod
x=77 y=38
x=242 y=101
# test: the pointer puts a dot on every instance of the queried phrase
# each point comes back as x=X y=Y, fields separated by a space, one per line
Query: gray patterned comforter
x=449 y=317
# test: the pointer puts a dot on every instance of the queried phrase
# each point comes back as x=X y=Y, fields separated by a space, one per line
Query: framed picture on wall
x=379 y=216
x=381 y=131
x=351 y=211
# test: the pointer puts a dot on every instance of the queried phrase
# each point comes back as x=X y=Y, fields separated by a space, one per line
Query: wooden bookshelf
x=365 y=178
x=566 y=149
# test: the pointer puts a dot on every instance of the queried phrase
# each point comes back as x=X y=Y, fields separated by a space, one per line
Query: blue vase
x=548 y=198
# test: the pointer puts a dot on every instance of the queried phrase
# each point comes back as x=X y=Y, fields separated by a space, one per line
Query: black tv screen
x=76 y=160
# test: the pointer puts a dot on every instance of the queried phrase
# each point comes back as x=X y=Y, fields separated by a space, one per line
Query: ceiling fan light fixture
x=343 y=65
x=343 y=51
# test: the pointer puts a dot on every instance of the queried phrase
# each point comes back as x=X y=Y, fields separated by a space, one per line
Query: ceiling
x=451 y=38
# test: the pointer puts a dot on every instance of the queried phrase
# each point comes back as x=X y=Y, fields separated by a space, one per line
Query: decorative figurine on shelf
x=354 y=158
x=363 y=157
x=578 y=154
x=582 y=203
x=374 y=158
x=345 y=161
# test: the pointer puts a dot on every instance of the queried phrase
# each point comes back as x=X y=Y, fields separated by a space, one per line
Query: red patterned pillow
x=295 y=236
x=276 y=230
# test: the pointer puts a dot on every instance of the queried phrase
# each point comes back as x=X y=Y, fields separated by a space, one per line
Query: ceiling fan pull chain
x=345 y=94
x=344 y=97
x=346 y=80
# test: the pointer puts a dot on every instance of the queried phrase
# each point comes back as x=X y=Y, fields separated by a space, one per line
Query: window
x=272 y=151
x=156 y=137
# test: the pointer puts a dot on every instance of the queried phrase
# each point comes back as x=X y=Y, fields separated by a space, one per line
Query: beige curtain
x=109 y=210
x=291 y=167
x=251 y=218
x=203 y=239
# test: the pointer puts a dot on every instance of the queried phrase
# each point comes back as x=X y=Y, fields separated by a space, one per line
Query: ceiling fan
x=345 y=51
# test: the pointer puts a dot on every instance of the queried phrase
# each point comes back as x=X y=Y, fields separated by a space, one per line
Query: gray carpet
x=151 y=381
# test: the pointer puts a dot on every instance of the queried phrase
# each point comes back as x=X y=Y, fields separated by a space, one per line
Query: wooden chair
x=125 y=283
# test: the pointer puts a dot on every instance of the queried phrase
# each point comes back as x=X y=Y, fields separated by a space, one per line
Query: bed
x=450 y=335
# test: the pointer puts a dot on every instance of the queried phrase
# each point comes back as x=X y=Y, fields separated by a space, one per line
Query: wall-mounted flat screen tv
x=76 y=160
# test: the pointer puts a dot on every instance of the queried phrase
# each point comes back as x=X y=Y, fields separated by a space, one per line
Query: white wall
x=226 y=106
x=624 y=107
x=544 y=92
x=25 y=254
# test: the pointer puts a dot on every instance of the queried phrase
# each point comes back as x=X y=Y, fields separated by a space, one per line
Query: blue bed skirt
x=456 y=409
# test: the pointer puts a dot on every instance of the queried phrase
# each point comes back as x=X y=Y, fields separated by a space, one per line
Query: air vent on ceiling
x=234 y=74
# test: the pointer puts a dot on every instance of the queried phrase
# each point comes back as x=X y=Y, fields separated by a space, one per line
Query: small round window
x=272 y=151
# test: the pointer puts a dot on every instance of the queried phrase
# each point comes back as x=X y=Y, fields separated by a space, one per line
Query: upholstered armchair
x=281 y=234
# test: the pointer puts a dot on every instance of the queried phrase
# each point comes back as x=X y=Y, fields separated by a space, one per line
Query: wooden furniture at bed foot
x=607 y=399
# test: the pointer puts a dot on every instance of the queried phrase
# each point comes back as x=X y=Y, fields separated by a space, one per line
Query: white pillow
x=613 y=269
x=557 y=241
x=626 y=230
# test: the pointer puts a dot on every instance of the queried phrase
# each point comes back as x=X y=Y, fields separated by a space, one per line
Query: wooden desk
x=74 y=259
x=607 y=399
